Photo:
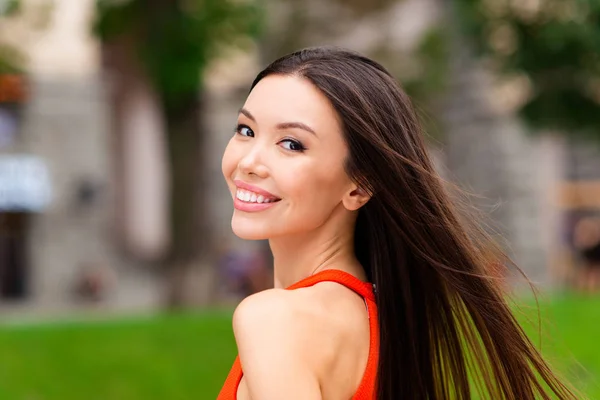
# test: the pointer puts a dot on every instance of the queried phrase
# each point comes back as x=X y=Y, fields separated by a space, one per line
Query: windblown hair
x=446 y=329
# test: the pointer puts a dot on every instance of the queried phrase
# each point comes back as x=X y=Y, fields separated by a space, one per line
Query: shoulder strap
x=368 y=385
x=365 y=289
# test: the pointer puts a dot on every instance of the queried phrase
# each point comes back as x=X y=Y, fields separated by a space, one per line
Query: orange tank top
x=367 y=387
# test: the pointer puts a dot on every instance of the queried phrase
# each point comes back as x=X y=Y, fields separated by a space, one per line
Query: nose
x=253 y=162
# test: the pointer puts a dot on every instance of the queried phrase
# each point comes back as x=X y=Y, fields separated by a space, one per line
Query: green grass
x=570 y=338
x=167 y=357
x=187 y=356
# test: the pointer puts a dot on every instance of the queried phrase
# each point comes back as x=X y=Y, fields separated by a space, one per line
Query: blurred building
x=88 y=130
x=63 y=126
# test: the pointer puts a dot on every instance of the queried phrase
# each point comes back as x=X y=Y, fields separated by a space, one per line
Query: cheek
x=313 y=194
x=229 y=161
x=316 y=181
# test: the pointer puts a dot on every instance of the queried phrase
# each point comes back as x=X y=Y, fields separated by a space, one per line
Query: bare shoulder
x=274 y=341
x=295 y=340
x=298 y=315
x=280 y=319
x=268 y=305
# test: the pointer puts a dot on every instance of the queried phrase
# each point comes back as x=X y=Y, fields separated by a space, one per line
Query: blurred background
x=118 y=270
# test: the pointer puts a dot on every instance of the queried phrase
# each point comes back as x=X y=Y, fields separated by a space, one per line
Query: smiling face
x=285 y=163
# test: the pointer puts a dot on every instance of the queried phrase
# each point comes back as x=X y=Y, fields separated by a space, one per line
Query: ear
x=355 y=198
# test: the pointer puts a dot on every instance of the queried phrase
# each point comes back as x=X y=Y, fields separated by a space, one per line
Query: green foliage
x=11 y=60
x=176 y=39
x=556 y=45
x=9 y=7
x=432 y=57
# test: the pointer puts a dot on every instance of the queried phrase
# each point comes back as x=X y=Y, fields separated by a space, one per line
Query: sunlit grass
x=187 y=356
x=570 y=337
x=167 y=357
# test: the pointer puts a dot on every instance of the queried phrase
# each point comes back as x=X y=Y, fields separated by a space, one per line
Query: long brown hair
x=446 y=329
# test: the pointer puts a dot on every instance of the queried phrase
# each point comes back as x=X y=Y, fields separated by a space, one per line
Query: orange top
x=367 y=387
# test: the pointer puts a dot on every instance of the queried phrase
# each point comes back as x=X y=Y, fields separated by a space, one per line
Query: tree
x=35 y=16
x=175 y=40
x=421 y=68
x=11 y=60
x=555 y=45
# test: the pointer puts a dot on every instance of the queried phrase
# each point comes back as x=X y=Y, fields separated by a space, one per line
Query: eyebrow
x=282 y=125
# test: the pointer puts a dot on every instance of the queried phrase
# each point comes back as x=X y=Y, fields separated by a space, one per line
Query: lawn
x=172 y=357
x=187 y=356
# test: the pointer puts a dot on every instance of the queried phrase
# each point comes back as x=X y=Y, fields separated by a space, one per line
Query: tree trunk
x=474 y=139
x=190 y=247
x=490 y=153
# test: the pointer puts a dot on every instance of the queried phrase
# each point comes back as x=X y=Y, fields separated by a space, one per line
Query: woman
x=380 y=288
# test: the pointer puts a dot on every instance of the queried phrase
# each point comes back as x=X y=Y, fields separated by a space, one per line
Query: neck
x=327 y=247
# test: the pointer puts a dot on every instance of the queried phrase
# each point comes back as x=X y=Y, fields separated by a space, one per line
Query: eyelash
x=238 y=130
x=300 y=149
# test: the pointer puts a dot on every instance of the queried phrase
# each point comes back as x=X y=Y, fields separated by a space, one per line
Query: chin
x=247 y=230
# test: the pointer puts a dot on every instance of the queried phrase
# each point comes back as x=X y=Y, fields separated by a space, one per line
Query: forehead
x=279 y=98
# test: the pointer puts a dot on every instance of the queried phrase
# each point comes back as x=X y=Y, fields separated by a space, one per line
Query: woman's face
x=285 y=163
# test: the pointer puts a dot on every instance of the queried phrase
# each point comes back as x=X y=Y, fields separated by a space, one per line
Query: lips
x=251 y=199
x=253 y=194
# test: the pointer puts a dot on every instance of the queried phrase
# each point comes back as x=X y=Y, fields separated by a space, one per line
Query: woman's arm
x=274 y=342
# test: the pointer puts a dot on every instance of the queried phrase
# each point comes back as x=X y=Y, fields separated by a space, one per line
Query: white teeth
x=251 y=197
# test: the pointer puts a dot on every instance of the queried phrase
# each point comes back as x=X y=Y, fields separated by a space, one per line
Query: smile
x=252 y=197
